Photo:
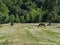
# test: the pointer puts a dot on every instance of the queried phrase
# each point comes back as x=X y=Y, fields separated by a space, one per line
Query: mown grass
x=31 y=36
x=1 y=25
x=24 y=34
x=51 y=33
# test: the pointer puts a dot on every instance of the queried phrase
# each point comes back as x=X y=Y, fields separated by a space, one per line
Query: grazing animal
x=11 y=24
x=42 y=24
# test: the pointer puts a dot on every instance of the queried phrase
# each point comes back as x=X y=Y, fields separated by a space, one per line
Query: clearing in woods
x=28 y=34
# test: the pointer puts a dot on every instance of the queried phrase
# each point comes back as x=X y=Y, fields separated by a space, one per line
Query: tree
x=0 y=19
x=11 y=19
x=4 y=12
x=37 y=19
x=31 y=20
x=26 y=18
x=50 y=8
x=17 y=19
x=30 y=10
x=36 y=15
x=58 y=19
x=21 y=19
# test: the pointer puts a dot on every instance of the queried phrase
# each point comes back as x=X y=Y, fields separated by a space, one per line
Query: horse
x=42 y=24
x=11 y=24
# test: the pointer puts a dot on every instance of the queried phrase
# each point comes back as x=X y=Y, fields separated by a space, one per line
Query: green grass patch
x=5 y=42
x=5 y=36
x=51 y=33
x=31 y=36
x=32 y=44
x=1 y=25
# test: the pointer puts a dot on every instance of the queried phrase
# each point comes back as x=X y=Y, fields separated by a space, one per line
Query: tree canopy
x=29 y=11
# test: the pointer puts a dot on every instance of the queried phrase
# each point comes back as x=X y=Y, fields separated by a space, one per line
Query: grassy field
x=28 y=34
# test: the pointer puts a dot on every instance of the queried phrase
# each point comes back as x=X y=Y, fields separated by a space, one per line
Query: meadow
x=29 y=34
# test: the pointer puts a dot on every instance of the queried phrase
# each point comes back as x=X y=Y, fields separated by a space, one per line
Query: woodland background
x=29 y=11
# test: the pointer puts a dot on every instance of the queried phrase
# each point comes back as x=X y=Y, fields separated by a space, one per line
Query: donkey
x=42 y=24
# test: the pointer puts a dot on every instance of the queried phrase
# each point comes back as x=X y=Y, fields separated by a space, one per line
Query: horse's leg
x=41 y=26
x=38 y=25
x=44 y=26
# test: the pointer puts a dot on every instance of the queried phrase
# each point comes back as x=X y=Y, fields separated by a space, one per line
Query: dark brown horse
x=42 y=24
x=11 y=24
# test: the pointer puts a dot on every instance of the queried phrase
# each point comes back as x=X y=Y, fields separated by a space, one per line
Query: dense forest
x=29 y=11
